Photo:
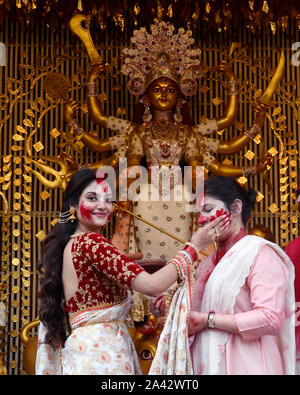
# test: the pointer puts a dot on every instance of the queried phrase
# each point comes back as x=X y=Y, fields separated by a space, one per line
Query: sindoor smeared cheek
x=85 y=211
x=202 y=219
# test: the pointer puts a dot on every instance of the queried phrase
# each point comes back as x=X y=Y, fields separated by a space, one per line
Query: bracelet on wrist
x=77 y=129
x=178 y=270
x=249 y=171
x=232 y=87
x=211 y=320
x=194 y=249
x=187 y=256
x=253 y=131
x=91 y=89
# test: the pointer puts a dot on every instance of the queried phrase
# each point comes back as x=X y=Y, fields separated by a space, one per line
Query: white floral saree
x=99 y=344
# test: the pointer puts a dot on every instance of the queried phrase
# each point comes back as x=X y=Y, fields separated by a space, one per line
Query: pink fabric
x=293 y=251
x=259 y=314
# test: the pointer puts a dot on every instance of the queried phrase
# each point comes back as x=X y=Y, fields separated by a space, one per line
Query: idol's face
x=209 y=209
x=163 y=94
x=95 y=205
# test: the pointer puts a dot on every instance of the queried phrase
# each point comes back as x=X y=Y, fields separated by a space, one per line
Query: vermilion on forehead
x=103 y=187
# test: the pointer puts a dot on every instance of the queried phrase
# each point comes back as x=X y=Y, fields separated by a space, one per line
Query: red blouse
x=104 y=275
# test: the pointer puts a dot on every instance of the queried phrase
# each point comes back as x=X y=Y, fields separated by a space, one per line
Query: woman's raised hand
x=210 y=232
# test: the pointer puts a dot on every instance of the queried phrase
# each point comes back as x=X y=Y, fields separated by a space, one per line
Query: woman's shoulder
x=89 y=238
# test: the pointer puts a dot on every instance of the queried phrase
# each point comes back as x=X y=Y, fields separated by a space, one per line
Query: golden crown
x=162 y=53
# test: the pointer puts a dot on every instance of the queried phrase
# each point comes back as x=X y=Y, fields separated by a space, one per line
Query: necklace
x=161 y=131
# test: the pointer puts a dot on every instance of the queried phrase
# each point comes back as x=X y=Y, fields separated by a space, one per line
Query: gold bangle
x=253 y=131
x=232 y=87
x=179 y=275
x=91 y=89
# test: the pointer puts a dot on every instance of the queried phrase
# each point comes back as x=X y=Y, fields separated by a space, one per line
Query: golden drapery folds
x=209 y=15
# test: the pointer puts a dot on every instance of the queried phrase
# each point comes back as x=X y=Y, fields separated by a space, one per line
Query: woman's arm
x=267 y=284
x=223 y=322
x=158 y=282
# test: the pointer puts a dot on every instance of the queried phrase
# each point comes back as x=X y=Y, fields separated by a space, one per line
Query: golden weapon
x=153 y=226
x=265 y=99
x=85 y=36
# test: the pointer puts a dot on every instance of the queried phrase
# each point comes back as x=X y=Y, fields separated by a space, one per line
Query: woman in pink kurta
x=242 y=319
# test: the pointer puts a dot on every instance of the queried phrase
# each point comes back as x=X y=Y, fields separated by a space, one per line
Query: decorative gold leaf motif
x=29 y=112
x=11 y=82
x=17 y=137
x=38 y=146
x=276 y=111
x=16 y=148
x=4 y=101
x=25 y=282
x=242 y=180
x=249 y=155
x=281 y=119
x=259 y=197
x=6 y=159
x=27 y=122
x=273 y=208
x=30 y=70
x=217 y=101
x=20 y=129
x=45 y=195
x=40 y=235
x=26 y=273
x=34 y=105
x=292 y=152
x=55 y=133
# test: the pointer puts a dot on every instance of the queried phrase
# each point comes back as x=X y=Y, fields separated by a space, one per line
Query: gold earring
x=73 y=216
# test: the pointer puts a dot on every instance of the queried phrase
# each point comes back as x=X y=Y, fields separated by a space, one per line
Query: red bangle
x=191 y=252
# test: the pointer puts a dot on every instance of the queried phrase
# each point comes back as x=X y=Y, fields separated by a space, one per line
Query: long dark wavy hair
x=52 y=313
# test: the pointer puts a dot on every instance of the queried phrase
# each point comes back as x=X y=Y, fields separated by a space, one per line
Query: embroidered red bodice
x=104 y=275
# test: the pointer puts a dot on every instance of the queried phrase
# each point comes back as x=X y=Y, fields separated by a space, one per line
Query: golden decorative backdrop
x=31 y=126
x=214 y=15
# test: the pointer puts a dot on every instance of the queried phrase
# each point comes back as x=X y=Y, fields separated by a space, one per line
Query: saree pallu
x=173 y=356
x=99 y=344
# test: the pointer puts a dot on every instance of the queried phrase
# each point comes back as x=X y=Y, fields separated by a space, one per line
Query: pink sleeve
x=267 y=282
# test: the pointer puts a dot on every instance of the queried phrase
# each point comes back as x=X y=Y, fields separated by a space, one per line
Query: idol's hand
x=264 y=163
x=227 y=70
x=70 y=108
x=260 y=115
x=97 y=70
x=210 y=232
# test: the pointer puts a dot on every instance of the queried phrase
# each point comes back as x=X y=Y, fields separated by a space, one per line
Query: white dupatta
x=220 y=294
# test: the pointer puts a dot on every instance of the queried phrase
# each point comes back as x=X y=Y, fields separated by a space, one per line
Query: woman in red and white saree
x=95 y=279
